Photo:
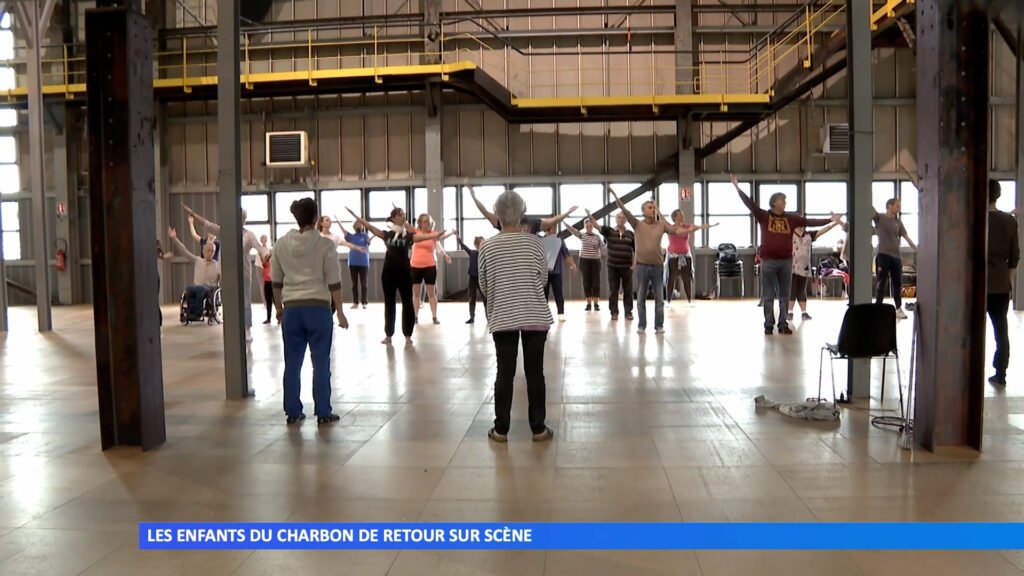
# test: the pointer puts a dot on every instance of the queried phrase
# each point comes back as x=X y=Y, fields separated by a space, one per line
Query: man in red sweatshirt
x=776 y=253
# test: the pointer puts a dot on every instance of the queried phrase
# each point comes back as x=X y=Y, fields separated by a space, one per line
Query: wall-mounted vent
x=287 y=149
x=837 y=139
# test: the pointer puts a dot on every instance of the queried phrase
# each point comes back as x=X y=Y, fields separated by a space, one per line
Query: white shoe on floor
x=561 y=317
x=900 y=314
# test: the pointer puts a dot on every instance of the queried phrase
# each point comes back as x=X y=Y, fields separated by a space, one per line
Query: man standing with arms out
x=776 y=253
x=621 y=264
x=650 y=260
x=1003 y=255
x=889 y=264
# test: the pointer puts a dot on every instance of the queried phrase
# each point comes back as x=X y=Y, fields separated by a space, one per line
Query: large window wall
x=715 y=202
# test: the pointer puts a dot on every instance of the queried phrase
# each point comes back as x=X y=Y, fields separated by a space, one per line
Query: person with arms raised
x=776 y=251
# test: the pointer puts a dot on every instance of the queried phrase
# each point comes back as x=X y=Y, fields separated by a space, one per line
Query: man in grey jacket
x=1003 y=256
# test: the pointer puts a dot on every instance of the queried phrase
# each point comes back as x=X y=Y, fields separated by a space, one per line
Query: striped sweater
x=621 y=246
x=513 y=275
x=591 y=245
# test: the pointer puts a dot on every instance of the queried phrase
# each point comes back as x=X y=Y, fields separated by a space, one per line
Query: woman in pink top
x=680 y=262
x=424 y=265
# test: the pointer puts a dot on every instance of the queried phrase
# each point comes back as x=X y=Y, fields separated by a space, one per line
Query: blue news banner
x=581 y=536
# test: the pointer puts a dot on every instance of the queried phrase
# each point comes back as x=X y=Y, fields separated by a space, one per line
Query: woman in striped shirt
x=513 y=275
x=590 y=262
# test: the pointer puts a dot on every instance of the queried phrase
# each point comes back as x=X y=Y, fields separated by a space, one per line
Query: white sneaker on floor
x=900 y=314
x=561 y=317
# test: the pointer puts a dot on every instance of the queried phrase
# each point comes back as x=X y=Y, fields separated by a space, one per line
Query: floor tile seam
x=127 y=542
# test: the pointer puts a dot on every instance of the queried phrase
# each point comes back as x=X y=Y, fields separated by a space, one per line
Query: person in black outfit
x=396 y=275
x=1003 y=256
x=474 y=275
x=621 y=248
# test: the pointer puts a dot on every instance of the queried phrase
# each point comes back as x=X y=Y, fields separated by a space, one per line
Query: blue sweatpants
x=312 y=327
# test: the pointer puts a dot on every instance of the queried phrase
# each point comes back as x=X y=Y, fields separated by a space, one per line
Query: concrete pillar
x=953 y=141
x=431 y=30
x=435 y=170
x=862 y=160
x=229 y=123
x=685 y=128
x=434 y=176
x=120 y=111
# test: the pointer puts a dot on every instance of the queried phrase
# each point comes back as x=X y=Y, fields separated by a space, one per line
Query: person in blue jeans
x=306 y=277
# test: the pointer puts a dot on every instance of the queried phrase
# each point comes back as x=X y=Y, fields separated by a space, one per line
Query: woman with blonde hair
x=424 y=264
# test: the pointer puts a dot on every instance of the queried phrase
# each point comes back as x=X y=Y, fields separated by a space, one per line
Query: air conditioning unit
x=837 y=139
x=287 y=149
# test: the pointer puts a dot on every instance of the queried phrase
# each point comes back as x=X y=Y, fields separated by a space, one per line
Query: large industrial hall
x=512 y=261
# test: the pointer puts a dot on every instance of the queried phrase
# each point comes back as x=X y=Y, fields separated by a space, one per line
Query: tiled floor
x=656 y=429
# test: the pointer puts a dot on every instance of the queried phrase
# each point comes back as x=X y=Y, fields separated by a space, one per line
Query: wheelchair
x=211 y=307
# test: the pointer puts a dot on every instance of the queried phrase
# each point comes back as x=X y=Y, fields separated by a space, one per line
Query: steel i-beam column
x=35 y=16
x=953 y=134
x=119 y=69
x=1018 y=301
x=67 y=196
x=236 y=375
x=858 y=195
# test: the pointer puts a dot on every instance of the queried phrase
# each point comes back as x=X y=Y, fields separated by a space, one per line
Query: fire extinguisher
x=61 y=256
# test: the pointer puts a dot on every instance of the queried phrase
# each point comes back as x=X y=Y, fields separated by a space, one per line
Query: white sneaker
x=248 y=335
x=901 y=315
x=561 y=317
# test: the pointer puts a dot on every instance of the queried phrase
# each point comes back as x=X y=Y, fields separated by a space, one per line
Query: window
x=1007 y=196
x=476 y=227
x=823 y=198
x=636 y=205
x=11 y=231
x=587 y=197
x=8 y=117
x=765 y=191
x=10 y=179
x=257 y=214
x=881 y=192
x=540 y=200
x=257 y=208
x=335 y=203
x=449 y=199
x=669 y=196
x=283 y=219
x=734 y=223
x=382 y=202
x=485 y=194
x=909 y=208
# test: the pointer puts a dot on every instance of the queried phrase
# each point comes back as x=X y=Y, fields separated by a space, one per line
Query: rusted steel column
x=122 y=214
x=953 y=136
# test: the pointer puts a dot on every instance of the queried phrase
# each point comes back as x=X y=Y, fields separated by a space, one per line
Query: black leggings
x=474 y=287
x=268 y=297
x=555 y=285
x=888 y=268
x=397 y=280
x=590 y=269
x=799 y=290
x=677 y=274
x=358 y=275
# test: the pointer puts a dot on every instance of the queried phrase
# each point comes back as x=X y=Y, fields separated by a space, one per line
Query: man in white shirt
x=205 y=277
x=249 y=243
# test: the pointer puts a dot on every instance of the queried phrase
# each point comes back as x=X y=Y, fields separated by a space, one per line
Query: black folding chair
x=868 y=331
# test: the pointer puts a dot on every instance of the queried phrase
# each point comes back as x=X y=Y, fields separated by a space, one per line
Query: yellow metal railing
x=644 y=77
